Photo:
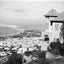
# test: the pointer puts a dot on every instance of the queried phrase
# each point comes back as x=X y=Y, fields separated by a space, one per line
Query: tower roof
x=60 y=17
x=51 y=13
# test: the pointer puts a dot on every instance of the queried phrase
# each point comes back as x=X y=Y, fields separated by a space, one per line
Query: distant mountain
x=36 y=27
x=11 y=29
x=7 y=30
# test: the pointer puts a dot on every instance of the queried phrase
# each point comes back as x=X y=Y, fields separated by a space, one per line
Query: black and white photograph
x=31 y=32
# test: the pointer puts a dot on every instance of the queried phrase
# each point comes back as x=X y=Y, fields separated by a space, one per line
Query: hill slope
x=7 y=30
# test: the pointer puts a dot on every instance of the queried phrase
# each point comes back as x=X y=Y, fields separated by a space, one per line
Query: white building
x=55 y=23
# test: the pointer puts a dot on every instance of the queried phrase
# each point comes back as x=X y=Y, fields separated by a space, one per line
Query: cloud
x=12 y=26
x=19 y=10
x=31 y=0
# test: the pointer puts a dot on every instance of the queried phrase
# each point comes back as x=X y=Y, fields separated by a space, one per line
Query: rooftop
x=52 y=13
x=60 y=17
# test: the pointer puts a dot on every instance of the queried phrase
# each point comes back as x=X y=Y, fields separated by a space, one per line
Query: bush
x=38 y=61
x=42 y=55
x=54 y=47
x=14 y=59
x=62 y=50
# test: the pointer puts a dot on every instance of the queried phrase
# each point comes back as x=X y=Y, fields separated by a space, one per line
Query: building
x=55 y=22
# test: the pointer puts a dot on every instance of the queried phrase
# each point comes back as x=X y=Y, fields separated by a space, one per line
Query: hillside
x=7 y=30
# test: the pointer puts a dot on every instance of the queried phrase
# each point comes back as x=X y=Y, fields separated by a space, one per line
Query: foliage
x=14 y=59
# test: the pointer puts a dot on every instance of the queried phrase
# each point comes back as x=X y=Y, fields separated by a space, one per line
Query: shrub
x=14 y=59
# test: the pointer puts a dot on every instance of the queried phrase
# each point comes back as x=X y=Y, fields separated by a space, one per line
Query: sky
x=27 y=12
